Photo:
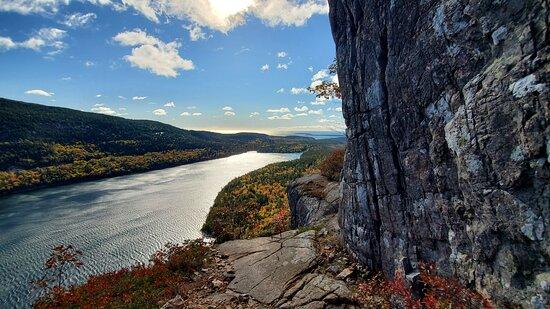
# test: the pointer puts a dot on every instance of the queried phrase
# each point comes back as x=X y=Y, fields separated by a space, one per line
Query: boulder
x=312 y=198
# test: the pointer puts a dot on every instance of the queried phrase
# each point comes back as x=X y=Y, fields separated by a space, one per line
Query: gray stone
x=314 y=290
x=448 y=139
x=312 y=198
x=345 y=273
x=265 y=266
x=499 y=35
x=176 y=302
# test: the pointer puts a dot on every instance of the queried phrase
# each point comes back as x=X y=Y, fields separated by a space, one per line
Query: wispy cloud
x=159 y=112
x=280 y=110
x=39 y=92
x=77 y=20
x=51 y=38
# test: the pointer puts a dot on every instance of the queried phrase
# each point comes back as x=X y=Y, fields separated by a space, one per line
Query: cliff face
x=446 y=103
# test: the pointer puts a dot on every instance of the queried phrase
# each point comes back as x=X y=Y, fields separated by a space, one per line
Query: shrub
x=438 y=292
x=332 y=166
x=140 y=286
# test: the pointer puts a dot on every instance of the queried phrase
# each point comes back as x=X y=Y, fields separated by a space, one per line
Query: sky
x=220 y=65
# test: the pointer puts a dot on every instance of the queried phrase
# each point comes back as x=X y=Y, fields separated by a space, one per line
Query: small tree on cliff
x=328 y=89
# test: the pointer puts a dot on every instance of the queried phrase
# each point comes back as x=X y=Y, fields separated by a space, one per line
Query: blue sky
x=222 y=65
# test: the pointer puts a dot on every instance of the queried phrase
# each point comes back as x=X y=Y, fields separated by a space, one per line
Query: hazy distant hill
x=31 y=135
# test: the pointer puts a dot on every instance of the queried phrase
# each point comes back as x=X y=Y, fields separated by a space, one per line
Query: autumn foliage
x=256 y=204
x=140 y=286
x=437 y=292
x=332 y=166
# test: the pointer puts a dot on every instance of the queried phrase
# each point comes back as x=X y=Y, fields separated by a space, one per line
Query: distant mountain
x=31 y=132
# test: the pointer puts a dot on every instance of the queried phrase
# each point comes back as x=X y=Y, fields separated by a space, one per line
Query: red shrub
x=332 y=166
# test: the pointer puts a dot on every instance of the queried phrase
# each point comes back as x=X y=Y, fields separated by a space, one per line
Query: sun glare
x=226 y=8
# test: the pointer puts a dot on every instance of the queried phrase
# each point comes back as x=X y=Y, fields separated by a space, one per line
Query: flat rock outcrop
x=311 y=199
x=447 y=108
x=279 y=272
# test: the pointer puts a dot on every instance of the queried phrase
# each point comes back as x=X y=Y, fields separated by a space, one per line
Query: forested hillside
x=41 y=145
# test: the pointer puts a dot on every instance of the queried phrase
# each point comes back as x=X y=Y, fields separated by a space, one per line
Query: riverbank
x=105 y=167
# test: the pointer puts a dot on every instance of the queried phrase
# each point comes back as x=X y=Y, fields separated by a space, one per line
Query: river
x=116 y=222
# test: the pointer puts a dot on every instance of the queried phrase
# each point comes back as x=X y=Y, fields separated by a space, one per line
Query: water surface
x=116 y=222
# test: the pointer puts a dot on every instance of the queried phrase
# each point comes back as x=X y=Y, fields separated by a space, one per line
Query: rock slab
x=278 y=272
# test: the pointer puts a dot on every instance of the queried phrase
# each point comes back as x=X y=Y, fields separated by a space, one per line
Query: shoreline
x=6 y=194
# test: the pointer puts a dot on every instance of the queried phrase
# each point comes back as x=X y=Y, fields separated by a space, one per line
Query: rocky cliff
x=446 y=103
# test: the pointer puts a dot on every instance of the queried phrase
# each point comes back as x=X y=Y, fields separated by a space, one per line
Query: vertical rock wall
x=447 y=108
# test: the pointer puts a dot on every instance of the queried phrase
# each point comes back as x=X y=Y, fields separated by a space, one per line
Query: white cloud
x=197 y=114
x=242 y=50
x=301 y=115
x=185 y=114
x=319 y=101
x=281 y=90
x=7 y=43
x=298 y=90
x=229 y=113
x=89 y=63
x=191 y=107
x=310 y=69
x=39 y=92
x=281 y=54
x=221 y=15
x=224 y=15
x=29 y=6
x=41 y=6
x=282 y=66
x=152 y=54
x=79 y=19
x=102 y=109
x=254 y=114
x=334 y=79
x=320 y=75
x=122 y=97
x=315 y=83
x=316 y=112
x=135 y=38
x=280 y=110
x=282 y=117
x=98 y=95
x=196 y=33
x=45 y=37
x=159 y=112
x=265 y=67
x=170 y=104
x=66 y=78
x=122 y=109
x=227 y=108
x=137 y=98
x=288 y=12
x=301 y=109
x=338 y=109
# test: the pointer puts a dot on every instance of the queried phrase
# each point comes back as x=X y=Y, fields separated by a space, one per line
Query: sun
x=226 y=8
